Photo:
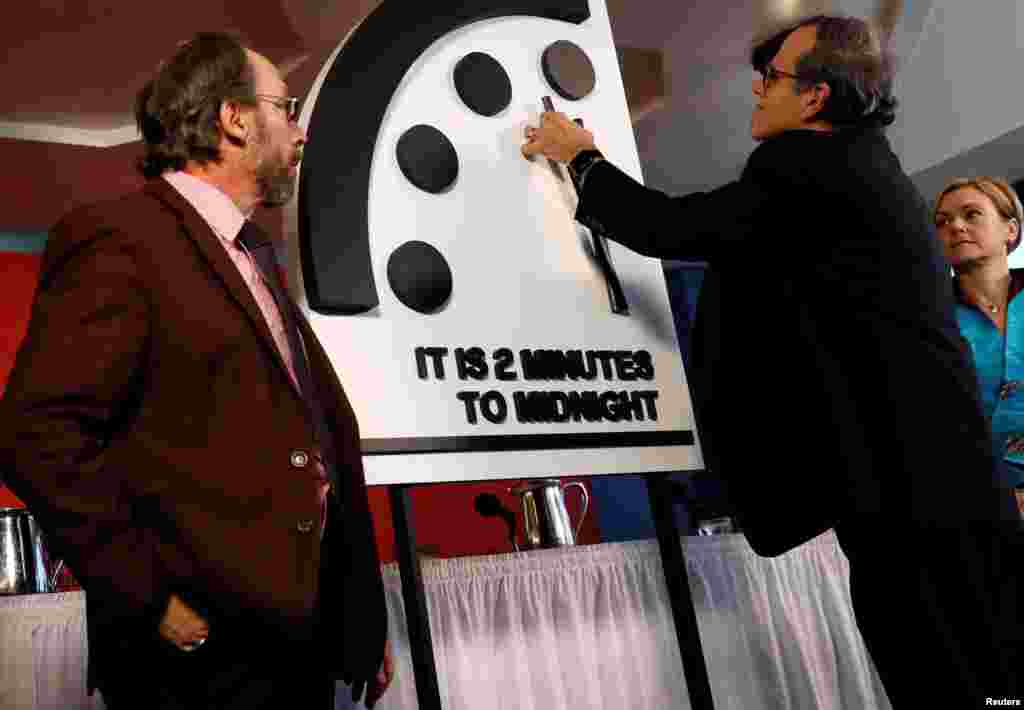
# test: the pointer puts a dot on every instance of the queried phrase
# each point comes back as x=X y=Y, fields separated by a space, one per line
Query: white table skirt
x=564 y=629
x=42 y=653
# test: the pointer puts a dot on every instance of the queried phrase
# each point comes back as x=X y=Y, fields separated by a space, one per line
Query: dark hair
x=178 y=110
x=849 y=57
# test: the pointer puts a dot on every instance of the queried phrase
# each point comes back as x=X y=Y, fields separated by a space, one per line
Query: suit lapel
x=212 y=250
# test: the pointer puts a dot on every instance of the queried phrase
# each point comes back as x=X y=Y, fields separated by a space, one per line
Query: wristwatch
x=581 y=165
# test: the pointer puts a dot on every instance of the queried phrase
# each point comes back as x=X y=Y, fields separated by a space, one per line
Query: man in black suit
x=829 y=379
x=179 y=432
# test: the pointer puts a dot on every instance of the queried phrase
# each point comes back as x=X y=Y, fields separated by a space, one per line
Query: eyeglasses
x=288 y=104
x=769 y=74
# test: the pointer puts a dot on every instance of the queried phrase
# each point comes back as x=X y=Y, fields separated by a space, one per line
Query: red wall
x=18 y=274
x=41 y=181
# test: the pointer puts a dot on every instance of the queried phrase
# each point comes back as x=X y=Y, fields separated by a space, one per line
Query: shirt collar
x=215 y=207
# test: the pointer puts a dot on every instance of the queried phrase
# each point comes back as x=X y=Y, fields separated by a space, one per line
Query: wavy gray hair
x=178 y=110
x=848 y=56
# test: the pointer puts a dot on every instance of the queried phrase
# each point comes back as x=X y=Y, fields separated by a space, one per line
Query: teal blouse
x=999 y=360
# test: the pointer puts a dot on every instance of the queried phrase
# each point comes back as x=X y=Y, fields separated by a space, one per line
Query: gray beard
x=276 y=185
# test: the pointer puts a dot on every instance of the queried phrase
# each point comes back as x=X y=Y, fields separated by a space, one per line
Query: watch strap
x=580 y=165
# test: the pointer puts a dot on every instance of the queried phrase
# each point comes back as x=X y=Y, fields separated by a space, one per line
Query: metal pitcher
x=25 y=566
x=545 y=519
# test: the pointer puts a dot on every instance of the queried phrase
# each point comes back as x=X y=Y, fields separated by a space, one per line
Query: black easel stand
x=427 y=692
x=660 y=492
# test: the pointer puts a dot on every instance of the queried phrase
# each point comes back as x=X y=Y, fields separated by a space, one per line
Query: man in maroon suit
x=177 y=429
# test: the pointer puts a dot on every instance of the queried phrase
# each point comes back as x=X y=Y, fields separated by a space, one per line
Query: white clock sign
x=479 y=331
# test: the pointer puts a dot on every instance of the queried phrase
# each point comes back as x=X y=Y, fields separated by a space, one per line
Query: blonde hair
x=1003 y=197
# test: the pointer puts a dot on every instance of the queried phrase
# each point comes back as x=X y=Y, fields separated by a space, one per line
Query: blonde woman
x=978 y=220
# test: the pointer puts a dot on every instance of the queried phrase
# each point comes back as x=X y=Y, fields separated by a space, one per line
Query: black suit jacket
x=151 y=426
x=828 y=375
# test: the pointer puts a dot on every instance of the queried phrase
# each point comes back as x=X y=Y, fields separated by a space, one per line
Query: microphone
x=488 y=505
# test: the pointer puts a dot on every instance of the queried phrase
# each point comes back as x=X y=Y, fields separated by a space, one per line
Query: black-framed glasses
x=288 y=104
x=769 y=74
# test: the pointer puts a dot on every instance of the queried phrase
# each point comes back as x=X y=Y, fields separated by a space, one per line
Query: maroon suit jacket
x=151 y=427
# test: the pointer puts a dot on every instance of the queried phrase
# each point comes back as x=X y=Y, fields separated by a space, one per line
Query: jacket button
x=300 y=459
x=304 y=526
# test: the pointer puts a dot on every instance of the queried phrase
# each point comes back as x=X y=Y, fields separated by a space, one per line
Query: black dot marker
x=427 y=158
x=482 y=84
x=568 y=70
x=420 y=277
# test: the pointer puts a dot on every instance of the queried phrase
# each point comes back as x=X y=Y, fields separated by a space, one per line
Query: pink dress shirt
x=226 y=220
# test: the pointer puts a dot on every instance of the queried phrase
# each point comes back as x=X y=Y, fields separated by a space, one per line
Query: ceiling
x=72 y=68
x=88 y=56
